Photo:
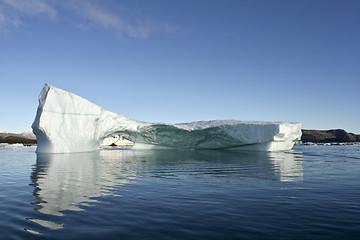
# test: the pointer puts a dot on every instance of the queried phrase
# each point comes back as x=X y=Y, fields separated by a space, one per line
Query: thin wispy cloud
x=84 y=14
x=13 y=12
x=31 y=8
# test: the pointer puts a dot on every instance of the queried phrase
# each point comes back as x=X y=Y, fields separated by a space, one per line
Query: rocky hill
x=11 y=138
x=16 y=139
x=328 y=136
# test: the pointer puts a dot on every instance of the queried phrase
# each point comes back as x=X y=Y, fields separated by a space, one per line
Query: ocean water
x=310 y=192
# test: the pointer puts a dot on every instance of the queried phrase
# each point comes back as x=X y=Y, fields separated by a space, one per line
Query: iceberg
x=67 y=123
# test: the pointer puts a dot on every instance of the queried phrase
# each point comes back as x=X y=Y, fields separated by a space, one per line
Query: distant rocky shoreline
x=328 y=136
x=26 y=138
x=334 y=137
x=15 y=139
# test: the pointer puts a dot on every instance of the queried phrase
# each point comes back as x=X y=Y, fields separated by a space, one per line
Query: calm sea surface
x=311 y=192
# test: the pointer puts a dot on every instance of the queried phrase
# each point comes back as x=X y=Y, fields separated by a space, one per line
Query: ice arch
x=66 y=123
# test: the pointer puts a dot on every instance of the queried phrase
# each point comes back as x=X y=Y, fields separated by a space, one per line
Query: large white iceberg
x=67 y=123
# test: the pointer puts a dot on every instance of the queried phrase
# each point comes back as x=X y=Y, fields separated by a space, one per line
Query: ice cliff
x=66 y=123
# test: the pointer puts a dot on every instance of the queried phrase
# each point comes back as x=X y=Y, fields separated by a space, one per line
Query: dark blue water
x=312 y=192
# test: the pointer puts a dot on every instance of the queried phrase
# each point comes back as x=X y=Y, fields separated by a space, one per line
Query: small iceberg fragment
x=116 y=141
x=67 y=123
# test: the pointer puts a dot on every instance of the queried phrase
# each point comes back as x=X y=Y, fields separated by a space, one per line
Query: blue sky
x=180 y=61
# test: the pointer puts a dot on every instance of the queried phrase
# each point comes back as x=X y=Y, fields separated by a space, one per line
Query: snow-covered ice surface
x=66 y=123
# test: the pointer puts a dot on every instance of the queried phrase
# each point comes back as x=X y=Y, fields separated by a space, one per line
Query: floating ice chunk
x=66 y=122
x=116 y=141
x=7 y=146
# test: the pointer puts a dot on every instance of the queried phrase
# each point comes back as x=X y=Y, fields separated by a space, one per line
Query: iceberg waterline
x=67 y=123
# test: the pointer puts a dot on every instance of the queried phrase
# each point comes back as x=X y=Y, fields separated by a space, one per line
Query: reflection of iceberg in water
x=66 y=182
x=277 y=166
x=288 y=165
